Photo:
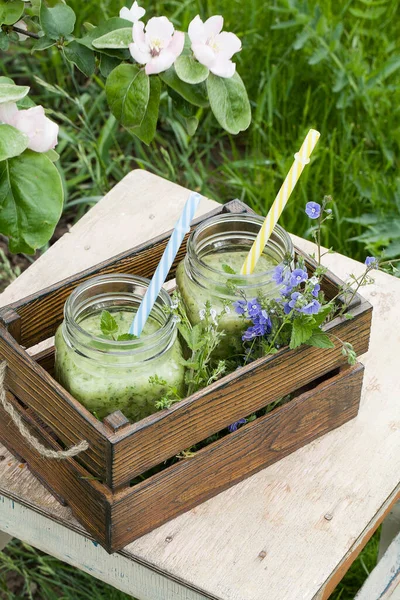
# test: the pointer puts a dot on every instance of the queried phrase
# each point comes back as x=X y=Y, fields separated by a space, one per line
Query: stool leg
x=390 y=528
x=4 y=539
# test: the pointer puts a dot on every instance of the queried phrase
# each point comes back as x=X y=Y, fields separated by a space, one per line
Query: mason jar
x=210 y=271
x=106 y=374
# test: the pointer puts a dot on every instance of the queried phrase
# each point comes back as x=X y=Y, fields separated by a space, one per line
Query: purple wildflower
x=237 y=424
x=240 y=306
x=292 y=302
x=313 y=210
x=278 y=274
x=316 y=289
x=253 y=308
x=250 y=334
x=298 y=276
x=312 y=308
x=372 y=262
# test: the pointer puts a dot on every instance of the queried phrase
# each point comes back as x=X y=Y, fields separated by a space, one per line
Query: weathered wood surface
x=297 y=523
x=384 y=581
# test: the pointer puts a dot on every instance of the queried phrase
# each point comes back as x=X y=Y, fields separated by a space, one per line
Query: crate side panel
x=163 y=435
x=65 y=477
x=63 y=414
x=235 y=457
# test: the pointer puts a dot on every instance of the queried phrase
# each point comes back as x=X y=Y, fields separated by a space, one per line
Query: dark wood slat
x=235 y=457
x=11 y=320
x=89 y=500
x=164 y=434
x=67 y=418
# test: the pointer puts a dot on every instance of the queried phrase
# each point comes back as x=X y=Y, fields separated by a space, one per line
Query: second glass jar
x=210 y=271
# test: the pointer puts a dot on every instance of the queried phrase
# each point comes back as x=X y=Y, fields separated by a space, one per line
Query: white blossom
x=157 y=45
x=213 y=47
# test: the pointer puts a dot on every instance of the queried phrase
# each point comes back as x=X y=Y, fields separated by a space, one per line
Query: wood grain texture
x=118 y=519
x=166 y=433
x=125 y=574
x=89 y=499
x=58 y=409
x=268 y=531
x=236 y=456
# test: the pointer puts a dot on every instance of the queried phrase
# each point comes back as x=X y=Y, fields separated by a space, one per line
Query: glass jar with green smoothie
x=106 y=373
x=210 y=271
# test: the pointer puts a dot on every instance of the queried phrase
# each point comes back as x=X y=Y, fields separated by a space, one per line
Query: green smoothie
x=220 y=295
x=112 y=382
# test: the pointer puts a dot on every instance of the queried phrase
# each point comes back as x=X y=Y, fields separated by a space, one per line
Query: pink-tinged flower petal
x=213 y=26
x=138 y=36
x=159 y=28
x=8 y=112
x=228 y=44
x=141 y=57
x=223 y=67
x=196 y=31
x=134 y=14
x=22 y=25
x=42 y=132
x=160 y=63
x=204 y=54
x=177 y=44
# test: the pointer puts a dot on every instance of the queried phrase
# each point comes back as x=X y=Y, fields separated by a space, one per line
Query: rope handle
x=24 y=431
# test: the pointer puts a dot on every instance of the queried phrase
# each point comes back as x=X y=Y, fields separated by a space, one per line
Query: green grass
x=36 y=576
x=333 y=66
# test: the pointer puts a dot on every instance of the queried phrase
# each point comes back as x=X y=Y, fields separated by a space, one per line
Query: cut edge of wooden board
x=344 y=565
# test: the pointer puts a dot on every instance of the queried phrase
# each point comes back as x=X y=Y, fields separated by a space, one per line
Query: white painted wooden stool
x=289 y=532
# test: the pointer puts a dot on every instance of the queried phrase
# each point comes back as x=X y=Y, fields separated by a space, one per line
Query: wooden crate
x=325 y=393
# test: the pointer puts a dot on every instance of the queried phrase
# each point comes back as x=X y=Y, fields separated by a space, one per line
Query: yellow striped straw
x=301 y=159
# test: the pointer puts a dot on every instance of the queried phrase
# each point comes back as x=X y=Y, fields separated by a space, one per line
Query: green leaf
x=128 y=91
x=43 y=43
x=320 y=340
x=229 y=102
x=58 y=21
x=81 y=57
x=31 y=200
x=124 y=337
x=108 y=64
x=6 y=80
x=97 y=32
x=52 y=155
x=195 y=94
x=228 y=269
x=12 y=142
x=10 y=12
x=190 y=70
x=108 y=324
x=147 y=130
x=118 y=38
x=324 y=312
x=12 y=93
x=302 y=330
x=371 y=14
x=192 y=124
x=4 y=41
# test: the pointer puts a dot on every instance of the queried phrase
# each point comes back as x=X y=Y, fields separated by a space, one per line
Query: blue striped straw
x=181 y=228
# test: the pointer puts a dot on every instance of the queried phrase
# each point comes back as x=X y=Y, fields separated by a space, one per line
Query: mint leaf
x=228 y=269
x=124 y=337
x=301 y=332
x=319 y=339
x=108 y=324
x=323 y=313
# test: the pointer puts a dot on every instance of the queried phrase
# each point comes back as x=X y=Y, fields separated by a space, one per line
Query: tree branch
x=27 y=33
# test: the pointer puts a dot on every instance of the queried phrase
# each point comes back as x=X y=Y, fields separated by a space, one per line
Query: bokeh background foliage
x=332 y=65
